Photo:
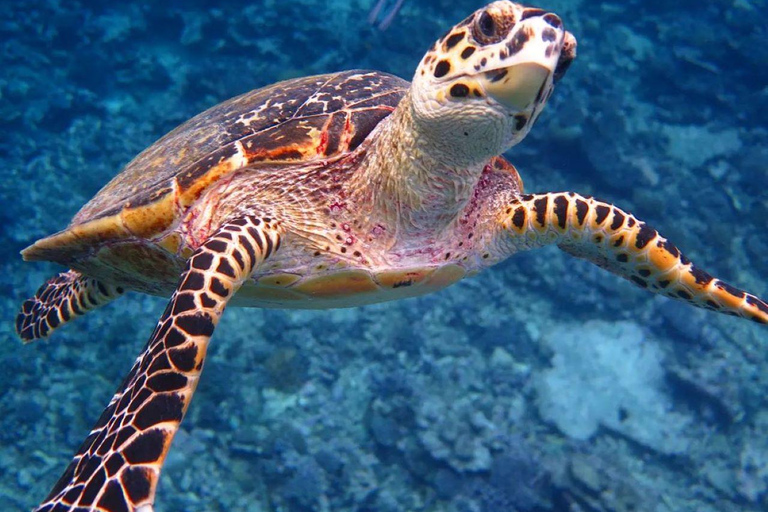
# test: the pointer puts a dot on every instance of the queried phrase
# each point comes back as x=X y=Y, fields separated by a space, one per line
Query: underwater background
x=544 y=384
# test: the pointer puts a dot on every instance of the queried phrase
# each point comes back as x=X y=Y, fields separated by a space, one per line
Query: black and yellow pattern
x=602 y=233
x=59 y=300
x=117 y=467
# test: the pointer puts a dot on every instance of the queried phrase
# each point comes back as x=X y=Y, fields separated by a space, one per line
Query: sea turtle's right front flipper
x=117 y=467
x=617 y=241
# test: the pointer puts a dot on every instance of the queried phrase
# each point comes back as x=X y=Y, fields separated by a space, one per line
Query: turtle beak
x=517 y=86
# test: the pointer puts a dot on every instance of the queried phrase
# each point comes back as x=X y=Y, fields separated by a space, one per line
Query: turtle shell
x=290 y=122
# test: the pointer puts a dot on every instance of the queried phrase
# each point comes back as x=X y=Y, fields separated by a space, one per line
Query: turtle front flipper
x=62 y=298
x=117 y=467
x=617 y=241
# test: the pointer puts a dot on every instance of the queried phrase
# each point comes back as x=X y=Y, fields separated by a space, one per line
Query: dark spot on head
x=459 y=90
x=467 y=52
x=623 y=258
x=517 y=42
x=684 y=294
x=442 y=69
x=454 y=40
x=639 y=282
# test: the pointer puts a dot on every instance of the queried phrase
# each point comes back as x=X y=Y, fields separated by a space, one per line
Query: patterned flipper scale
x=617 y=241
x=61 y=299
x=118 y=465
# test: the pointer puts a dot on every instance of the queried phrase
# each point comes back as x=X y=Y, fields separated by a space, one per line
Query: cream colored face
x=496 y=69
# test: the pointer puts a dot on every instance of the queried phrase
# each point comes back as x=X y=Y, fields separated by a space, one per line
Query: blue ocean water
x=544 y=384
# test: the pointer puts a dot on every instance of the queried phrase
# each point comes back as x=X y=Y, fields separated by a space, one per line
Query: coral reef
x=616 y=381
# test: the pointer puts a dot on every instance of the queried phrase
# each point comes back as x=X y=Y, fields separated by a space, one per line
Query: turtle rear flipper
x=62 y=298
x=117 y=467
x=617 y=241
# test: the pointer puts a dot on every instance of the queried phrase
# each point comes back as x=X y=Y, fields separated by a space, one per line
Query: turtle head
x=479 y=89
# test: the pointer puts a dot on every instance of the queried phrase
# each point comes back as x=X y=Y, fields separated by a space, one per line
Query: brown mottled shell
x=293 y=121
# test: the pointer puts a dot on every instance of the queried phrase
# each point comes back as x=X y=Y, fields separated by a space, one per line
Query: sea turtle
x=328 y=191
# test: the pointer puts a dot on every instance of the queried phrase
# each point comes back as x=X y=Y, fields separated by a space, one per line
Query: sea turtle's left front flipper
x=117 y=467
x=615 y=240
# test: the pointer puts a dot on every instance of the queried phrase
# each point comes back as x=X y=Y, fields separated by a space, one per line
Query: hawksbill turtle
x=328 y=191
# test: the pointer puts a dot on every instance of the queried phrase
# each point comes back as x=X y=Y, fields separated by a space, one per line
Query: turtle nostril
x=553 y=20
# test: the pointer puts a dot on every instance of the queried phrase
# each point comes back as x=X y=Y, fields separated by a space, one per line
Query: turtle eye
x=486 y=25
x=490 y=29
